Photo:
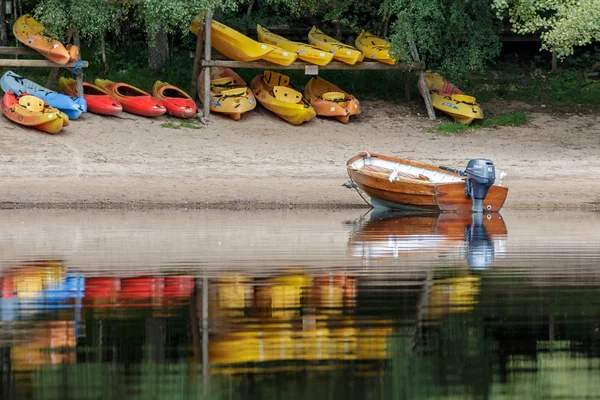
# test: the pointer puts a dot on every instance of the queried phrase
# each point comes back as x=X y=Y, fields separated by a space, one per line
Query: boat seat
x=388 y=171
x=287 y=94
x=275 y=79
x=235 y=92
x=334 y=96
x=32 y=103
x=463 y=98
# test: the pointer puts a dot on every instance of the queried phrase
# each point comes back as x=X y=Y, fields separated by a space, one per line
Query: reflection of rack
x=25 y=51
x=207 y=62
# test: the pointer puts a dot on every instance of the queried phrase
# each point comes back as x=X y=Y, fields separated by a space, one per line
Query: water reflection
x=405 y=306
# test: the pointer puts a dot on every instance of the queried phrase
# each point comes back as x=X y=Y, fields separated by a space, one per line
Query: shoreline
x=261 y=162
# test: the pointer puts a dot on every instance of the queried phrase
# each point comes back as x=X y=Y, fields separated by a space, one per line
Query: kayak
x=305 y=51
x=98 y=101
x=448 y=98
x=73 y=52
x=72 y=106
x=232 y=43
x=274 y=92
x=342 y=52
x=31 y=111
x=280 y=56
x=330 y=101
x=177 y=102
x=132 y=99
x=31 y=33
x=374 y=47
x=229 y=93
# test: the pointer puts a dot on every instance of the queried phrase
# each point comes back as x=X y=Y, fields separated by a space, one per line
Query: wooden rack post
x=207 y=51
x=208 y=62
x=39 y=63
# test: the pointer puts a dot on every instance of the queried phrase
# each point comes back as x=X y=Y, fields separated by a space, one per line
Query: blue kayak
x=72 y=106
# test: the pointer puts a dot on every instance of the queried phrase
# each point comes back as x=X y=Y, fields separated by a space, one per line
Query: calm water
x=302 y=304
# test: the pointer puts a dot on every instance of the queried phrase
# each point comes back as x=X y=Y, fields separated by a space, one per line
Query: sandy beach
x=261 y=161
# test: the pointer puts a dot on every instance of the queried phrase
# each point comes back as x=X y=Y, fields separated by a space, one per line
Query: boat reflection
x=478 y=238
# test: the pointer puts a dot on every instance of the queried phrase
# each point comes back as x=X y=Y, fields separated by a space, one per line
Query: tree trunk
x=3 y=35
x=250 y=7
x=158 y=52
x=19 y=7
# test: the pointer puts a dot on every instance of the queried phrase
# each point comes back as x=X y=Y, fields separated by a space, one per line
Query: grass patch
x=170 y=125
x=190 y=125
x=516 y=118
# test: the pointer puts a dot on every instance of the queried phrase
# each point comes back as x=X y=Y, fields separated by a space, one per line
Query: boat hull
x=178 y=103
x=294 y=113
x=374 y=47
x=341 y=52
x=30 y=32
x=97 y=103
x=141 y=104
x=231 y=106
x=419 y=195
x=306 y=52
x=341 y=111
x=442 y=99
x=50 y=120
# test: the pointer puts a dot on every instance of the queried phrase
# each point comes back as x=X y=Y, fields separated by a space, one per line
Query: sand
x=261 y=161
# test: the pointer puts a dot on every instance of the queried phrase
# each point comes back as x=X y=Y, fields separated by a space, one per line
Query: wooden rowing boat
x=400 y=184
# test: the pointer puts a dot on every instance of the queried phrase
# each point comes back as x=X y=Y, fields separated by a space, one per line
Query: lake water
x=299 y=304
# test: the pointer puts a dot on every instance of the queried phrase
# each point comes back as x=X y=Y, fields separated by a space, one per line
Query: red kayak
x=177 y=102
x=133 y=100
x=98 y=101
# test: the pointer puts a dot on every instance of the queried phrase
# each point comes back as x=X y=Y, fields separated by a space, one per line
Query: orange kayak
x=329 y=100
x=177 y=102
x=31 y=33
x=31 y=111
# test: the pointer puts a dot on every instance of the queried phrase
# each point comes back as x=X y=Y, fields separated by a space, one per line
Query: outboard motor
x=481 y=175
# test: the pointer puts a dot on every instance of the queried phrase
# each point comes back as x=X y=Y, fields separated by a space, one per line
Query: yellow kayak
x=305 y=51
x=448 y=98
x=341 y=51
x=274 y=92
x=31 y=33
x=280 y=56
x=229 y=93
x=374 y=47
x=233 y=44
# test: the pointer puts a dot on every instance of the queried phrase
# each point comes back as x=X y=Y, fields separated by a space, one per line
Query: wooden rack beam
x=333 y=65
x=13 y=62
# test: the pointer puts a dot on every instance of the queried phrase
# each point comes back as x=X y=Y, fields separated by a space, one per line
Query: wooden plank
x=78 y=71
x=333 y=65
x=207 y=47
x=422 y=84
x=38 y=63
x=25 y=51
x=197 y=65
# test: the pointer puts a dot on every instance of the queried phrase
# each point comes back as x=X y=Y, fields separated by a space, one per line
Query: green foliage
x=562 y=24
x=455 y=37
x=170 y=125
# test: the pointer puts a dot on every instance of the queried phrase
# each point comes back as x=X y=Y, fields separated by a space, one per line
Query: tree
x=455 y=37
x=3 y=36
x=562 y=24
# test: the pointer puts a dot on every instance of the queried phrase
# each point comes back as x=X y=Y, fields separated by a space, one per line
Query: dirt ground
x=261 y=161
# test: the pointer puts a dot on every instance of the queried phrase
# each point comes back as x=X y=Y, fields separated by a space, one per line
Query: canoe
x=177 y=102
x=31 y=111
x=72 y=106
x=305 y=51
x=229 y=93
x=448 y=98
x=274 y=92
x=374 y=47
x=98 y=101
x=31 y=33
x=329 y=100
x=400 y=184
x=233 y=44
x=342 y=52
x=132 y=99
x=399 y=235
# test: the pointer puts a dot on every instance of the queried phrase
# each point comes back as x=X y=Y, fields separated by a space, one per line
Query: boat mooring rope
x=357 y=189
